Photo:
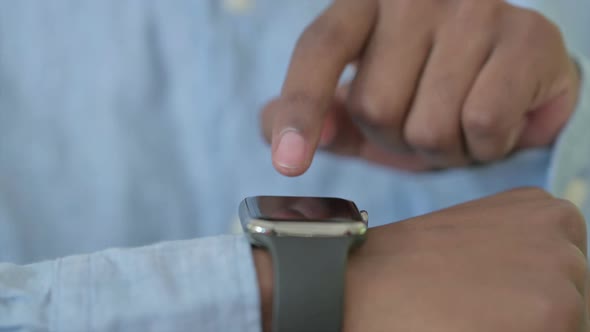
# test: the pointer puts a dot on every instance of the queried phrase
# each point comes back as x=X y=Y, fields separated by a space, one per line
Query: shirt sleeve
x=203 y=285
x=569 y=170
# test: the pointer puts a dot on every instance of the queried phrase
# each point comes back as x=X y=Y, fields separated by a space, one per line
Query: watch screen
x=286 y=208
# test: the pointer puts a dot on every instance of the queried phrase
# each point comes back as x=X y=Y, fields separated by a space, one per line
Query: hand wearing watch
x=309 y=239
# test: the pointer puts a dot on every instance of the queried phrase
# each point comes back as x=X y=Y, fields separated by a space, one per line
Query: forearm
x=206 y=283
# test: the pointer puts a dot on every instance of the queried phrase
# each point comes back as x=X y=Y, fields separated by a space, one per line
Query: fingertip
x=290 y=172
x=290 y=153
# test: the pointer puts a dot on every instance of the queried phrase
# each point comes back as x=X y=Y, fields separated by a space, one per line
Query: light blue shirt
x=125 y=123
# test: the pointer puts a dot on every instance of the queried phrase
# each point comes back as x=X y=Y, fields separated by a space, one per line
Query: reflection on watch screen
x=279 y=208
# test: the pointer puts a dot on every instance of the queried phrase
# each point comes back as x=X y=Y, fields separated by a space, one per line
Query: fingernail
x=290 y=152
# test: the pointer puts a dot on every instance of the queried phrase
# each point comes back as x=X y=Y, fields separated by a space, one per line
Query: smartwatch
x=309 y=239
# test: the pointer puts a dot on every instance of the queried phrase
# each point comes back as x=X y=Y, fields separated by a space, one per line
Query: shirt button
x=577 y=192
x=239 y=6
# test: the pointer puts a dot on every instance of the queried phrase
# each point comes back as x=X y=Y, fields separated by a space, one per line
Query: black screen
x=278 y=208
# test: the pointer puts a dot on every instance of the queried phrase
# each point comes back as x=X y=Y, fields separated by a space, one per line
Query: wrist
x=264 y=273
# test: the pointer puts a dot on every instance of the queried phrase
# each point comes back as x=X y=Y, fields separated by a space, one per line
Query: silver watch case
x=257 y=228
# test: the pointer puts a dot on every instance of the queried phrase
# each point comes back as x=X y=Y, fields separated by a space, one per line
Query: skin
x=513 y=262
x=439 y=83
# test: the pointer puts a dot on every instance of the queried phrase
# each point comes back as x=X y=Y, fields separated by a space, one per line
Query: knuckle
x=376 y=112
x=575 y=262
x=535 y=23
x=481 y=121
x=571 y=220
x=569 y=213
x=533 y=29
x=569 y=208
x=441 y=91
x=562 y=218
x=424 y=132
x=474 y=12
x=530 y=19
x=428 y=137
x=563 y=259
x=557 y=309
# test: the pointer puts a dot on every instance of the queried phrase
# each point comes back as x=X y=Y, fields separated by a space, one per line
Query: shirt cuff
x=204 y=285
x=569 y=170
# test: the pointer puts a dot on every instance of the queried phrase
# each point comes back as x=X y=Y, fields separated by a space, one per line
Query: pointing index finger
x=322 y=52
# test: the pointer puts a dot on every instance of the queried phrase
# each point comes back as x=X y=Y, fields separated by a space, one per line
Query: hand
x=512 y=262
x=439 y=84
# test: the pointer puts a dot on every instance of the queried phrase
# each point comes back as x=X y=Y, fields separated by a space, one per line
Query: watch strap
x=309 y=276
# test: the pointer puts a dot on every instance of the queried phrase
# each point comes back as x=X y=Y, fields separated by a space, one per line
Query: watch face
x=267 y=216
x=311 y=209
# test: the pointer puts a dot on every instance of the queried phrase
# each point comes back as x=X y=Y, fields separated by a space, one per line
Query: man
x=111 y=136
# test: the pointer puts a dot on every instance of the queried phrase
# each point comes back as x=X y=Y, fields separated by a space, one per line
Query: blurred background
x=127 y=122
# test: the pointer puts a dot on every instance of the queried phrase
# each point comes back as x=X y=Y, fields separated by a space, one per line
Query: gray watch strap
x=309 y=278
